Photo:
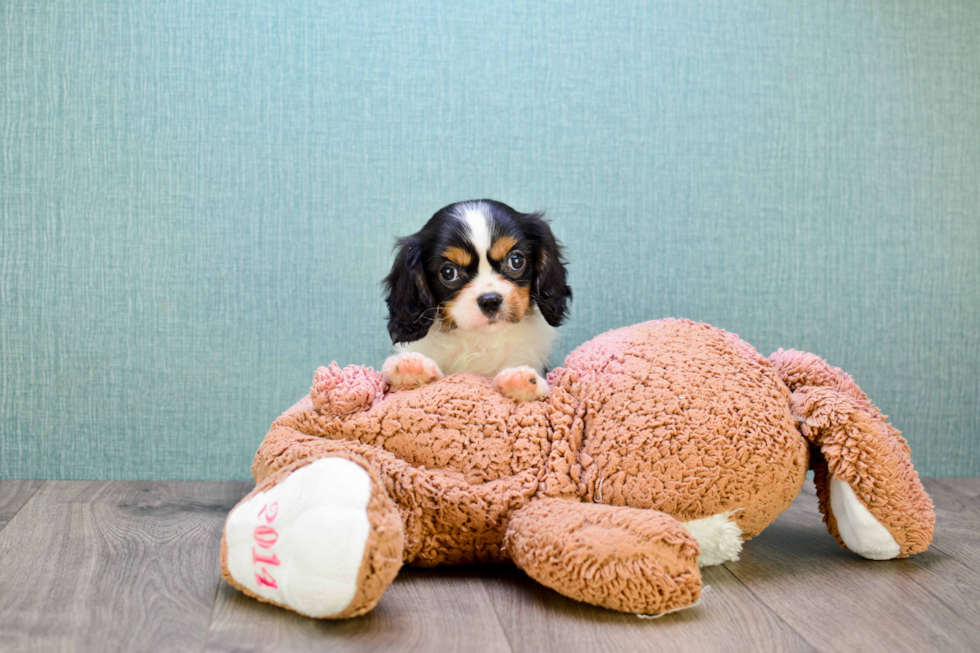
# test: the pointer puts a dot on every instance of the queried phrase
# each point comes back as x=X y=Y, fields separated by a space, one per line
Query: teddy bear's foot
x=867 y=489
x=410 y=370
x=322 y=539
x=521 y=383
x=627 y=559
x=861 y=532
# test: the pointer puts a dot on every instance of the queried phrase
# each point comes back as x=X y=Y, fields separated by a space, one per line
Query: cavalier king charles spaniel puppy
x=480 y=288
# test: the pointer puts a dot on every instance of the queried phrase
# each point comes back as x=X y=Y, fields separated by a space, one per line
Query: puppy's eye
x=449 y=273
x=515 y=261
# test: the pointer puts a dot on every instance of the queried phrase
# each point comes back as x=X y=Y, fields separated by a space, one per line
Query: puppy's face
x=475 y=266
x=478 y=269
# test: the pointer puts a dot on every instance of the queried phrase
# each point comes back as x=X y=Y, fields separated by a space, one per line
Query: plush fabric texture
x=640 y=561
x=856 y=445
x=646 y=427
x=382 y=553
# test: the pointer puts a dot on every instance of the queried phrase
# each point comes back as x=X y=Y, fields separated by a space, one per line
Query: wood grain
x=839 y=601
x=728 y=618
x=957 y=519
x=965 y=485
x=424 y=610
x=96 y=566
x=134 y=567
x=13 y=496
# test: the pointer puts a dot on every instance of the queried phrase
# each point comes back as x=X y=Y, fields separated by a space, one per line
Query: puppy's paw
x=521 y=383
x=410 y=370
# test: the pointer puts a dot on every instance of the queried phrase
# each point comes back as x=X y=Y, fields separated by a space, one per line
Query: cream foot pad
x=861 y=532
x=301 y=543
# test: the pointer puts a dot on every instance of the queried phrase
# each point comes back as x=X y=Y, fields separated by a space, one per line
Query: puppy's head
x=476 y=265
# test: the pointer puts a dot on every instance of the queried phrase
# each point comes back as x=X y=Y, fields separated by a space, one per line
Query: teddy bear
x=660 y=449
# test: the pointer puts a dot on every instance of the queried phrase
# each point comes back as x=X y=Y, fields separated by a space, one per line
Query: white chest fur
x=527 y=342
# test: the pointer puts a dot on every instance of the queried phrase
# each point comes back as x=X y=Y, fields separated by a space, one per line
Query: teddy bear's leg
x=446 y=519
x=871 y=497
x=319 y=536
x=627 y=559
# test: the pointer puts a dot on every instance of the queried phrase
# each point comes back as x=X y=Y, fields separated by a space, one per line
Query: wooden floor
x=94 y=566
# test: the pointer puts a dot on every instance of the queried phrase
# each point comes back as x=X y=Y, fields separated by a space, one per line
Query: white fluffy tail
x=719 y=538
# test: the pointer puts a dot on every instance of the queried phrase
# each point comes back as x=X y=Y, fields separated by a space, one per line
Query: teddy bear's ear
x=550 y=290
x=341 y=392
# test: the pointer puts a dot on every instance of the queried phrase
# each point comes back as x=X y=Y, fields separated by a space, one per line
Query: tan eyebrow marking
x=458 y=255
x=501 y=246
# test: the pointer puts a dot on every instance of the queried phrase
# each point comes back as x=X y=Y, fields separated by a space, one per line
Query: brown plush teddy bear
x=661 y=447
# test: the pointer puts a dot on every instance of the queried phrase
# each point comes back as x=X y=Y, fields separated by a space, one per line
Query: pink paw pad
x=520 y=384
x=410 y=370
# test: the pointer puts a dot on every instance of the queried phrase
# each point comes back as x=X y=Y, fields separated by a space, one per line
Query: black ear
x=550 y=290
x=411 y=308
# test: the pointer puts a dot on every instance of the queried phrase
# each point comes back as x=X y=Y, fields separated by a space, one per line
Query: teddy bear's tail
x=870 y=496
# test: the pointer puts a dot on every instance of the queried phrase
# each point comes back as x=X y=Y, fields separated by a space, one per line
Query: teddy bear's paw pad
x=520 y=383
x=301 y=543
x=410 y=370
x=861 y=532
x=719 y=538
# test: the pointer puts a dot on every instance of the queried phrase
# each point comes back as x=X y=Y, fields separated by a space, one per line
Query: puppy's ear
x=550 y=290
x=411 y=308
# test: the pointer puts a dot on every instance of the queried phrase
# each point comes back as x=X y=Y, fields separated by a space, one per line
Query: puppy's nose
x=489 y=303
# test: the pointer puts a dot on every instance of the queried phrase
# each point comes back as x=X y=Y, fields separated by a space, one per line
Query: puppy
x=480 y=288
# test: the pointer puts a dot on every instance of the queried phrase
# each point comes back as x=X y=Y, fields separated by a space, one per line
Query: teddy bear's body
x=647 y=428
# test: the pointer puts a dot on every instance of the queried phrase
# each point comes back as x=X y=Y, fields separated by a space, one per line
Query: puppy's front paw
x=410 y=370
x=520 y=384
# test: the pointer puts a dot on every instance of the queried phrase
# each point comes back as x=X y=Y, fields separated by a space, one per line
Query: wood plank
x=13 y=496
x=133 y=566
x=424 y=610
x=957 y=520
x=839 y=601
x=728 y=618
x=94 y=566
x=966 y=485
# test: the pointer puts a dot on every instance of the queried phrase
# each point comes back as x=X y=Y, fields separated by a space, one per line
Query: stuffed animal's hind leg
x=627 y=559
x=320 y=536
x=871 y=497
x=330 y=522
x=447 y=520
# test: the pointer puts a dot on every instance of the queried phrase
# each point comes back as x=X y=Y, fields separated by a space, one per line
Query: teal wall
x=199 y=198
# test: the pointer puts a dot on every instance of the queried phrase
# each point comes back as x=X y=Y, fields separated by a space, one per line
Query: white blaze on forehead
x=465 y=310
x=476 y=221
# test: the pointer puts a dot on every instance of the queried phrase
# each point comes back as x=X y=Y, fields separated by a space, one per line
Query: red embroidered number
x=270 y=511
x=265 y=537
x=265 y=578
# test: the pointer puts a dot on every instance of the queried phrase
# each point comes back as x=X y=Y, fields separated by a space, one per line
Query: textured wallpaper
x=199 y=199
